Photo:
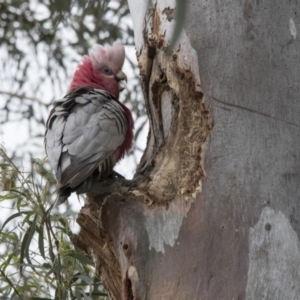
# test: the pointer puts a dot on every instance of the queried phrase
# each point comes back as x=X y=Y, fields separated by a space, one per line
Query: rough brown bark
x=232 y=231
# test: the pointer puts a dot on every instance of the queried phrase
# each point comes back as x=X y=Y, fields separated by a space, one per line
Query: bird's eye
x=106 y=71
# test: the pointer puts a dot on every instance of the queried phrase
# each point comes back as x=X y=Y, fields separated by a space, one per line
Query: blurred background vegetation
x=41 y=42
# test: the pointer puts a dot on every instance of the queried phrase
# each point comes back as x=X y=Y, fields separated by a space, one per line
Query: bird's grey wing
x=95 y=127
x=56 y=123
x=54 y=132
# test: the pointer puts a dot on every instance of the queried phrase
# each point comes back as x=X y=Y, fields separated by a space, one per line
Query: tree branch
x=22 y=96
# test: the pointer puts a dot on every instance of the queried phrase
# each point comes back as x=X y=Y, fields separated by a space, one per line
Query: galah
x=89 y=130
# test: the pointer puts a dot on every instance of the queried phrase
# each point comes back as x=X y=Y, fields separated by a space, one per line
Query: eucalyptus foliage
x=38 y=260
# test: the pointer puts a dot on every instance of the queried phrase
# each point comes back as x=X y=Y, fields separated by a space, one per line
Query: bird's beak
x=121 y=76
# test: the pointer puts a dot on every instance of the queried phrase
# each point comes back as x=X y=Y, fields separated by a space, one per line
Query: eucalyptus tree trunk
x=213 y=211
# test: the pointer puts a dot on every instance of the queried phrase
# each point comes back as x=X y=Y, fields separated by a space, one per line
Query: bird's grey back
x=84 y=130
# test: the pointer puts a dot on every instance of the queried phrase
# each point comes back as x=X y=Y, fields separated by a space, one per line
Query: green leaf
x=81 y=258
x=26 y=243
x=41 y=241
x=78 y=294
x=85 y=296
x=2 y=289
x=56 y=268
x=34 y=266
x=4 y=166
x=63 y=222
x=13 y=217
x=6 y=262
x=28 y=216
x=39 y=298
x=10 y=235
x=47 y=266
x=85 y=278
x=27 y=287
x=63 y=229
x=7 y=197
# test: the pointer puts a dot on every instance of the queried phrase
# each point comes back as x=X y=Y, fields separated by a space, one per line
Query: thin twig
x=56 y=274
x=18 y=171
x=21 y=96
x=11 y=284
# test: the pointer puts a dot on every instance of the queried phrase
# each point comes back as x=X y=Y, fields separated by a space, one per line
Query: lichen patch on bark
x=271 y=240
x=163 y=225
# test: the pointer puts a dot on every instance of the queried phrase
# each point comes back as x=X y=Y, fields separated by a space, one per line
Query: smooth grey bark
x=213 y=212
x=249 y=65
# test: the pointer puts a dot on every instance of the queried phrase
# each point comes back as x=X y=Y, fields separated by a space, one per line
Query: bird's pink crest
x=109 y=56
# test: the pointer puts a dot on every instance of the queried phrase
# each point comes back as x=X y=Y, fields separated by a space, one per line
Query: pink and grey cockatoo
x=89 y=130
